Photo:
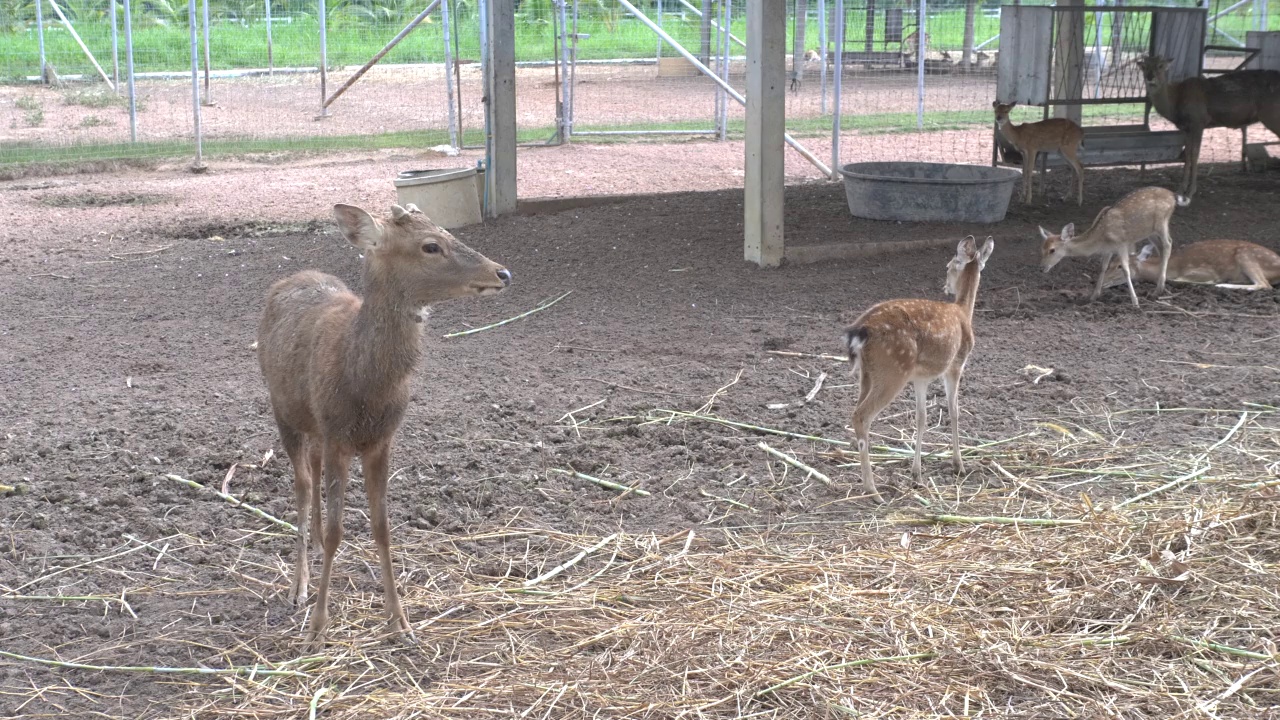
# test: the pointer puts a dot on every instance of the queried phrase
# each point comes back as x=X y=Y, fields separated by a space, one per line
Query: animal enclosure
x=595 y=72
x=1111 y=549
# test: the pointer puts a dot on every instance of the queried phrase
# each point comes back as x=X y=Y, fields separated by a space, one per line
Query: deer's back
x=1060 y=130
x=924 y=335
x=1234 y=99
x=299 y=344
x=1136 y=216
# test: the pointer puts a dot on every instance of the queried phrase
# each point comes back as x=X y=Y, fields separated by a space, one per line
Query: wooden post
x=500 y=111
x=766 y=118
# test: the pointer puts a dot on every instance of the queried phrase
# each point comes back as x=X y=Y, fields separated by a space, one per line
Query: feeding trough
x=928 y=192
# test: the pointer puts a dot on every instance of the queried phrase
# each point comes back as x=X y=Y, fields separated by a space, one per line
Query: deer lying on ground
x=1230 y=264
x=916 y=341
x=1134 y=218
x=338 y=371
x=1234 y=100
x=1059 y=135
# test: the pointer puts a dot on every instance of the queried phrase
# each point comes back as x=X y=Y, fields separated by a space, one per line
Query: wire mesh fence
x=911 y=85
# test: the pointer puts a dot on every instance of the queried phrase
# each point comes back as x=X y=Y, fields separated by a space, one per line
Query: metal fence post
x=271 y=66
x=837 y=27
x=115 y=48
x=324 y=60
x=40 y=35
x=128 y=59
x=454 y=140
x=726 y=13
x=207 y=99
x=822 y=52
x=195 y=83
x=922 y=38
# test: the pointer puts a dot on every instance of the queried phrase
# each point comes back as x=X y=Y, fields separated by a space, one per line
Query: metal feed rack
x=1049 y=61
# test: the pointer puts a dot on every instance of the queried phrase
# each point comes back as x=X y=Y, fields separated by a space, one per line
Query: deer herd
x=338 y=367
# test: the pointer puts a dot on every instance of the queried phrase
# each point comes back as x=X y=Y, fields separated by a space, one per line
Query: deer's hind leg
x=1166 y=249
x=1254 y=271
x=336 y=460
x=878 y=390
x=315 y=456
x=1070 y=154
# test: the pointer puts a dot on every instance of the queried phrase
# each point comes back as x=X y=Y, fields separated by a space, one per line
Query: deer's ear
x=1068 y=232
x=357 y=226
x=966 y=249
x=987 y=248
x=1044 y=234
x=1147 y=251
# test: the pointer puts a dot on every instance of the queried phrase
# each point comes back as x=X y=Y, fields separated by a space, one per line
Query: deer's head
x=1155 y=69
x=1054 y=247
x=966 y=252
x=1002 y=111
x=412 y=258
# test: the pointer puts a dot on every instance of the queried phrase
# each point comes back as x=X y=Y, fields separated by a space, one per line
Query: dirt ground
x=129 y=307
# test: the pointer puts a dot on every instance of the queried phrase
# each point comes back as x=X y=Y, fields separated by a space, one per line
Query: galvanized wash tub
x=928 y=192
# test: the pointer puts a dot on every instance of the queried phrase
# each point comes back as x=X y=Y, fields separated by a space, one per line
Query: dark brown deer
x=916 y=341
x=338 y=371
x=1234 y=100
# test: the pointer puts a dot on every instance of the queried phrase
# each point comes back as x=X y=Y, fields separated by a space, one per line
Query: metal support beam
x=766 y=120
x=702 y=68
x=381 y=53
x=500 y=110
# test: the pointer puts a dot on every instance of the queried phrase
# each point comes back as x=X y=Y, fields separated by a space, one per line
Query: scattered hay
x=1040 y=600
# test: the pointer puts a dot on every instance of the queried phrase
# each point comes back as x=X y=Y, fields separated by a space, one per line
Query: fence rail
x=591 y=71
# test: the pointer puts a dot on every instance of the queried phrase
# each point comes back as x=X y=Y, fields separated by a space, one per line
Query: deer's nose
x=505 y=276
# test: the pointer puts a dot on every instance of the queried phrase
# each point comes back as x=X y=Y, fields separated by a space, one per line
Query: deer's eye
x=431 y=248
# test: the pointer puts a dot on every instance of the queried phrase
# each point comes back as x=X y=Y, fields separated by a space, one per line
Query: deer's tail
x=1183 y=200
x=855 y=338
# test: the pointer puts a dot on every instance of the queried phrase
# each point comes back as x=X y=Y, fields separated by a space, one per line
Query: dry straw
x=1071 y=575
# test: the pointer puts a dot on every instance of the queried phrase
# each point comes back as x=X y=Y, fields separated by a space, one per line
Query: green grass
x=353 y=39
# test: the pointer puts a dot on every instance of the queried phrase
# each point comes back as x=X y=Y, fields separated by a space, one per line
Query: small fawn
x=338 y=371
x=916 y=341
x=1058 y=135
x=1229 y=264
x=1134 y=218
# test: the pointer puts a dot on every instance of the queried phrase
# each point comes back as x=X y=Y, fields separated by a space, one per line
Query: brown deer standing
x=1134 y=218
x=1234 y=100
x=1229 y=264
x=1058 y=135
x=916 y=341
x=338 y=371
